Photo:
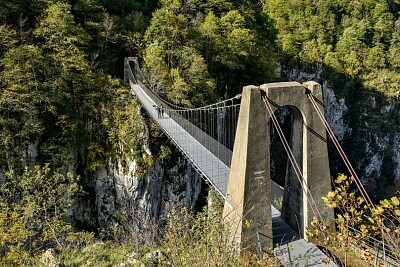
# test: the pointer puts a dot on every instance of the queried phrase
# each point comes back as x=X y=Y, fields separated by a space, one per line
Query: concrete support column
x=294 y=199
x=318 y=171
x=309 y=146
x=247 y=209
x=126 y=70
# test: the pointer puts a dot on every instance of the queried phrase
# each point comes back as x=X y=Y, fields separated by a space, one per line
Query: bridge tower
x=247 y=209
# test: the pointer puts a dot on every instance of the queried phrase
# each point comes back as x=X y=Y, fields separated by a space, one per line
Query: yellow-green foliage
x=188 y=240
x=32 y=210
x=381 y=221
x=126 y=132
x=98 y=254
x=201 y=241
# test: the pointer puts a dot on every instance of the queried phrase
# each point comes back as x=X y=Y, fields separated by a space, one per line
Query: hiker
x=159 y=111
x=162 y=110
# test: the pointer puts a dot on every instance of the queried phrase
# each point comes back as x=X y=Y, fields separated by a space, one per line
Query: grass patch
x=99 y=254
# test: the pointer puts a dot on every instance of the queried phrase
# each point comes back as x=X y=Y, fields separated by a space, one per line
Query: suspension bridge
x=241 y=175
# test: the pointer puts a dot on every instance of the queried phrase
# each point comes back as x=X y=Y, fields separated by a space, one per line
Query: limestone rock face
x=299 y=75
x=141 y=203
x=381 y=144
x=334 y=112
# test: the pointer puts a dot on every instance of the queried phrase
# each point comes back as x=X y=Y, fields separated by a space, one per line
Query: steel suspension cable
x=347 y=163
x=341 y=152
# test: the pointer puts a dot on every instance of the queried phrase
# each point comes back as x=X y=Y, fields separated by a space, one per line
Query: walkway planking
x=289 y=248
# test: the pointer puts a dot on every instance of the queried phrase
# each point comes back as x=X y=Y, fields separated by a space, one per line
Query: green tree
x=62 y=40
x=175 y=67
x=13 y=10
x=32 y=217
x=21 y=95
x=8 y=37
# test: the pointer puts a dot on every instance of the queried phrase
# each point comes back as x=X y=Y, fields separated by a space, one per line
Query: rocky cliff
x=139 y=203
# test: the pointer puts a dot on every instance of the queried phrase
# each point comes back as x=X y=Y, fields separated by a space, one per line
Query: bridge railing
x=382 y=252
x=184 y=117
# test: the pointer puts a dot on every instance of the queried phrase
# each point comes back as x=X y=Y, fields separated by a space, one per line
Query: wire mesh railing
x=381 y=252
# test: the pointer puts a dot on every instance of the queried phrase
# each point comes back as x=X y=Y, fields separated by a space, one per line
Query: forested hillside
x=356 y=41
x=67 y=121
x=63 y=113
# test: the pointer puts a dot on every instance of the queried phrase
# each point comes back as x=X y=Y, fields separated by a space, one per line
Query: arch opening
x=287 y=193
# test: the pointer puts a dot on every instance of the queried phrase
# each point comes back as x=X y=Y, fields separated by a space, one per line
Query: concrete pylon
x=309 y=146
x=247 y=210
x=127 y=68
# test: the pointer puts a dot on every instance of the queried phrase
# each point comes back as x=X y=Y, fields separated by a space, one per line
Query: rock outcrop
x=139 y=204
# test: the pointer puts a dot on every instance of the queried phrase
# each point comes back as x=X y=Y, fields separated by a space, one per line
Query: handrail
x=372 y=243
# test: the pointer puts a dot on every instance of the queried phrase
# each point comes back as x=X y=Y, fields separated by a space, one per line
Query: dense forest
x=65 y=113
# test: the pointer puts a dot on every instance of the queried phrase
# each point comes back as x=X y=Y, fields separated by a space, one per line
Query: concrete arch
x=309 y=148
x=294 y=197
x=248 y=199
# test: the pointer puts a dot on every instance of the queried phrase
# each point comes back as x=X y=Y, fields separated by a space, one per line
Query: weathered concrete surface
x=248 y=199
x=247 y=209
x=309 y=146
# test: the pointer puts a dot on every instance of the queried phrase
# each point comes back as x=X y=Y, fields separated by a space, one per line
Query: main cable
x=341 y=152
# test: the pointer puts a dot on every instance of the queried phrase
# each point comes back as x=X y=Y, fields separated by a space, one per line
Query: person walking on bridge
x=162 y=111
x=158 y=111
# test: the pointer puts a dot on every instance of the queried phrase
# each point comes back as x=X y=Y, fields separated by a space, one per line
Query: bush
x=357 y=222
x=201 y=240
x=33 y=206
